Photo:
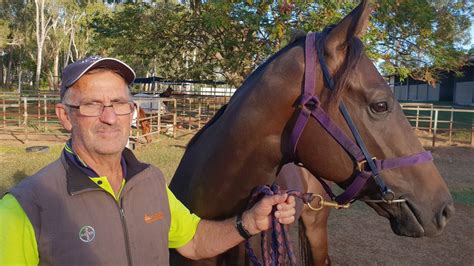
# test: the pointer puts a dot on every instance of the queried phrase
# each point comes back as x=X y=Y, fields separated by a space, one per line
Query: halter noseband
x=367 y=166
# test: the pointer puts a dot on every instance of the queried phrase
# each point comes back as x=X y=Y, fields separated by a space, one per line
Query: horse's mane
x=342 y=78
x=213 y=119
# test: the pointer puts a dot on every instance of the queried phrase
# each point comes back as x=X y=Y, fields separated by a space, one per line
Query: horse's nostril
x=445 y=214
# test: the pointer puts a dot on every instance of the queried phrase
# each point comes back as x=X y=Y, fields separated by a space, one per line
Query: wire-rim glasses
x=96 y=109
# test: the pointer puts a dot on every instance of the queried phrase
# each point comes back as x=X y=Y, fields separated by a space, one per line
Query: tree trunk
x=20 y=71
x=42 y=28
x=8 y=80
x=56 y=71
x=2 y=71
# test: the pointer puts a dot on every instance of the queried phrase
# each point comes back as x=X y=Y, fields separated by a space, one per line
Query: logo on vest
x=151 y=218
x=87 y=233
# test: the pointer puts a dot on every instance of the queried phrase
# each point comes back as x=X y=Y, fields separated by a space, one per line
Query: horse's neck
x=230 y=158
x=243 y=148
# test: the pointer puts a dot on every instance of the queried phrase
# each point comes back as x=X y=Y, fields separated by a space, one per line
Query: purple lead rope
x=276 y=243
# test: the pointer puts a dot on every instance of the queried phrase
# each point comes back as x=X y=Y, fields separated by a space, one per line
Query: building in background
x=458 y=90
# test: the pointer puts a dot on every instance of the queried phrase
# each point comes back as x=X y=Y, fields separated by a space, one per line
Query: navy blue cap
x=73 y=72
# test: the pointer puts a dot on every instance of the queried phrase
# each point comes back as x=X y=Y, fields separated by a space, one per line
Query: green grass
x=465 y=196
x=164 y=152
x=16 y=163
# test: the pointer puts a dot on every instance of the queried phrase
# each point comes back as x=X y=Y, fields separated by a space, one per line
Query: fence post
x=472 y=132
x=25 y=117
x=4 y=112
x=431 y=119
x=158 y=119
x=435 y=128
x=45 y=112
x=472 y=136
x=175 y=118
x=417 y=116
x=451 y=120
x=199 y=117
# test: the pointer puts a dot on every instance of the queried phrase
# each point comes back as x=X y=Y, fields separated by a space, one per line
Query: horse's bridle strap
x=357 y=151
x=404 y=161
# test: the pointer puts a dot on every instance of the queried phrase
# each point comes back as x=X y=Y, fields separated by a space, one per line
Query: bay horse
x=290 y=109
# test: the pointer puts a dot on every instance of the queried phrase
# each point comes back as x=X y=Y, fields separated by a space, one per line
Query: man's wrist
x=239 y=225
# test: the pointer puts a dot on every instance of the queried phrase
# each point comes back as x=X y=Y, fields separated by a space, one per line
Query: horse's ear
x=354 y=24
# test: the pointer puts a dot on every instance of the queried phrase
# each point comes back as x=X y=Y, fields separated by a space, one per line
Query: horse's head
x=422 y=203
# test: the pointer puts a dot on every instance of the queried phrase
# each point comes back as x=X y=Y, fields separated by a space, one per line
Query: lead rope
x=276 y=251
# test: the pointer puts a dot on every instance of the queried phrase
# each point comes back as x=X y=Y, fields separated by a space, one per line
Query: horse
x=145 y=124
x=167 y=93
x=321 y=103
x=315 y=223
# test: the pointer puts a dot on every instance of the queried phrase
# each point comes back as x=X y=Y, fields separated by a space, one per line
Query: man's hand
x=214 y=237
x=259 y=217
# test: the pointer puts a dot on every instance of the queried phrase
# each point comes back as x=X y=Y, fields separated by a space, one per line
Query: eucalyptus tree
x=422 y=38
x=15 y=16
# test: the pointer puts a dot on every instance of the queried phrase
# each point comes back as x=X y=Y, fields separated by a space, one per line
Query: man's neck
x=108 y=165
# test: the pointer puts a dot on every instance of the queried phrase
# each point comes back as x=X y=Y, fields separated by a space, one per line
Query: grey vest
x=77 y=223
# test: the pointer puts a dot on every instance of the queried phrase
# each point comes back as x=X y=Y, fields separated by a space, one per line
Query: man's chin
x=110 y=147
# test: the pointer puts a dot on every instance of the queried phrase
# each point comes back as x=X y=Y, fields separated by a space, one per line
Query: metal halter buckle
x=362 y=164
x=323 y=203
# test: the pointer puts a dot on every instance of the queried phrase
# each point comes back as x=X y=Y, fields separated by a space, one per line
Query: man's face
x=106 y=134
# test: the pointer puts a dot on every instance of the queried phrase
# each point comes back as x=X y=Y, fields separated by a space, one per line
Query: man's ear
x=63 y=116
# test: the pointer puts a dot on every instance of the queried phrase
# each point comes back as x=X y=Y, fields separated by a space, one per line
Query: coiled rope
x=275 y=242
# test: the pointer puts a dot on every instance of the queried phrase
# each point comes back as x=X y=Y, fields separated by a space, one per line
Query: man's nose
x=108 y=115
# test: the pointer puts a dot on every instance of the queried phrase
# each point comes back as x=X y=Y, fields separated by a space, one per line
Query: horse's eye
x=380 y=107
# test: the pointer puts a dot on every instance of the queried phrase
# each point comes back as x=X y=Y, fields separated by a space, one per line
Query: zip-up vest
x=78 y=223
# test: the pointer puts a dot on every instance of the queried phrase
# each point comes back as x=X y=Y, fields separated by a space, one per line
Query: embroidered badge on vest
x=153 y=217
x=87 y=234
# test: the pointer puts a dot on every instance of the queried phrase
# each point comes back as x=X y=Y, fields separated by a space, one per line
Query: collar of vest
x=78 y=180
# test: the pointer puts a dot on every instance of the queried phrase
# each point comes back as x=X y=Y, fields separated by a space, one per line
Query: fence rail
x=35 y=114
x=441 y=119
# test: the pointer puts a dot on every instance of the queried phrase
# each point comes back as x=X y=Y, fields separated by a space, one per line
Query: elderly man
x=97 y=204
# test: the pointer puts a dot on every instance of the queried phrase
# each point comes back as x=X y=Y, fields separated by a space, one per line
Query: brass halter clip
x=324 y=203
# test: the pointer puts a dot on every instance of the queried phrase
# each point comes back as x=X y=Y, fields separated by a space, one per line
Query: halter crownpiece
x=367 y=166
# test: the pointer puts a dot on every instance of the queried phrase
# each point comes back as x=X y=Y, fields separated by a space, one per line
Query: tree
x=43 y=23
x=15 y=15
x=421 y=38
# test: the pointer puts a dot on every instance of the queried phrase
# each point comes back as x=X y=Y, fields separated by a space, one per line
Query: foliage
x=226 y=40
x=422 y=38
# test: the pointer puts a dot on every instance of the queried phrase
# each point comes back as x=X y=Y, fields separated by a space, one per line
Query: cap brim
x=122 y=68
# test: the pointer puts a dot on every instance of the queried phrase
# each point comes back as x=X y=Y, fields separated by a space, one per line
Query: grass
x=465 y=196
x=16 y=163
x=164 y=152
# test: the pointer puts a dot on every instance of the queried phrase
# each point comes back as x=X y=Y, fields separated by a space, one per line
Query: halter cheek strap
x=367 y=166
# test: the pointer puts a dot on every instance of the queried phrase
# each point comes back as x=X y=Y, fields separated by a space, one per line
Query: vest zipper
x=125 y=232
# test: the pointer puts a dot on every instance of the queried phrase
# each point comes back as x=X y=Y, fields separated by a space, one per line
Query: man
x=97 y=204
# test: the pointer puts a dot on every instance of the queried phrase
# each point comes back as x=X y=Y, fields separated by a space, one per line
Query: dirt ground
x=360 y=237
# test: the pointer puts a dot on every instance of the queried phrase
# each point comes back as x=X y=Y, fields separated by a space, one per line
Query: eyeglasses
x=96 y=109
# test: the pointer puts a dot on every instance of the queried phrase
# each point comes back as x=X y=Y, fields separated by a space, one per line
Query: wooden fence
x=183 y=114
x=35 y=114
x=442 y=122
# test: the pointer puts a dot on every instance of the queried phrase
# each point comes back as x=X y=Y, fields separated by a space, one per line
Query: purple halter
x=310 y=107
